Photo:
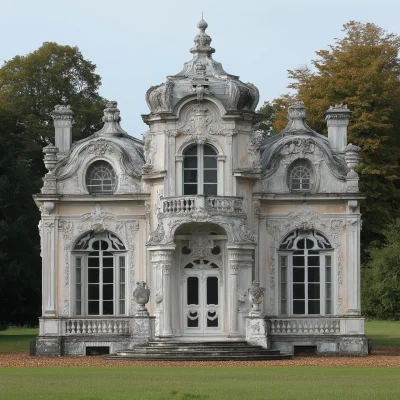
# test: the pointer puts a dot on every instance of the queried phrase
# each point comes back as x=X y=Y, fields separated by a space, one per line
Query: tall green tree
x=30 y=87
x=362 y=70
x=381 y=277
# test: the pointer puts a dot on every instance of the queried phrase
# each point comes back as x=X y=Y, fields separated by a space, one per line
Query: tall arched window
x=200 y=170
x=100 y=178
x=305 y=273
x=100 y=275
x=300 y=176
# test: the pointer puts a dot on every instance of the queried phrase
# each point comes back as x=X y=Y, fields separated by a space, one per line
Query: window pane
x=93 y=308
x=313 y=274
x=298 y=291
x=298 y=261
x=328 y=261
x=212 y=290
x=78 y=275
x=189 y=189
x=191 y=150
x=313 y=307
x=193 y=321
x=93 y=262
x=212 y=322
x=299 y=307
x=283 y=261
x=122 y=307
x=78 y=308
x=108 y=308
x=93 y=275
x=328 y=307
x=210 y=162
x=313 y=261
x=108 y=275
x=192 y=290
x=190 y=176
x=283 y=307
x=210 y=176
x=309 y=244
x=190 y=162
x=93 y=292
x=301 y=244
x=328 y=274
x=298 y=274
x=313 y=291
x=210 y=189
x=100 y=178
x=208 y=150
x=328 y=291
x=108 y=292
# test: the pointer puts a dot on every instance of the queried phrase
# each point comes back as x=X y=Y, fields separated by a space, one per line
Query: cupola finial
x=202 y=41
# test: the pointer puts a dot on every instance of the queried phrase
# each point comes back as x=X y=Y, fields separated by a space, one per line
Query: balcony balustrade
x=211 y=204
x=81 y=326
x=302 y=326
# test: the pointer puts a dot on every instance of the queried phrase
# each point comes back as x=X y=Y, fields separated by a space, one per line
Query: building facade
x=200 y=209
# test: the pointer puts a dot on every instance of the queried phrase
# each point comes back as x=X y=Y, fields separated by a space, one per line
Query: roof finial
x=202 y=40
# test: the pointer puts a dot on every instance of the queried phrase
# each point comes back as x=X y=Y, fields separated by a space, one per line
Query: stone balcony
x=213 y=205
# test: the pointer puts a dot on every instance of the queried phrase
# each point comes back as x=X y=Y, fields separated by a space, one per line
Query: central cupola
x=202 y=77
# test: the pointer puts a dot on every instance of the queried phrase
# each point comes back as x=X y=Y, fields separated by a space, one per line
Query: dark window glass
x=190 y=162
x=93 y=275
x=108 y=262
x=298 y=261
x=108 y=307
x=212 y=290
x=313 y=291
x=210 y=189
x=108 y=275
x=190 y=176
x=93 y=262
x=298 y=274
x=210 y=176
x=313 y=274
x=209 y=151
x=299 y=307
x=193 y=321
x=210 y=162
x=108 y=292
x=301 y=244
x=93 y=308
x=192 y=150
x=192 y=290
x=212 y=320
x=298 y=291
x=313 y=307
x=309 y=244
x=93 y=292
x=189 y=189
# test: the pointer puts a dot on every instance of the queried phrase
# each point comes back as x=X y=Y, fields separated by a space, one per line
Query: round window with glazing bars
x=101 y=178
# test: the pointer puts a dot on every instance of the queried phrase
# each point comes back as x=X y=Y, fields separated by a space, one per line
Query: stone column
x=48 y=228
x=162 y=259
x=240 y=261
x=353 y=267
x=179 y=175
x=62 y=116
x=221 y=185
x=337 y=119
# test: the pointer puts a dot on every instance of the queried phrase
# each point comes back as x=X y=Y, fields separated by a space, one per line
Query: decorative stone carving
x=141 y=295
x=352 y=158
x=100 y=148
x=150 y=149
x=159 y=97
x=338 y=111
x=256 y=296
x=62 y=112
x=50 y=162
x=298 y=146
x=253 y=149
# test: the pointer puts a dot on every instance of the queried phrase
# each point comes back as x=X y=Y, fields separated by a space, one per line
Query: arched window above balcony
x=200 y=170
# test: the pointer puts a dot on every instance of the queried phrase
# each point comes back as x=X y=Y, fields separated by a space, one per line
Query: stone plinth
x=142 y=329
x=256 y=331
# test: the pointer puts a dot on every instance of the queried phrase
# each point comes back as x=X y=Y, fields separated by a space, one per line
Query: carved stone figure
x=256 y=297
x=141 y=295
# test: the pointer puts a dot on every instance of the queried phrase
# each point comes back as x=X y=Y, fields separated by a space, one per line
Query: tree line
x=362 y=69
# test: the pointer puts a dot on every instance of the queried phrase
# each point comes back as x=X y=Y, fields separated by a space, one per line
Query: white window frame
x=83 y=255
x=289 y=284
x=201 y=169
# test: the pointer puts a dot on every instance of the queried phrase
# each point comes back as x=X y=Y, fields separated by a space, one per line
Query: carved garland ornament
x=98 y=220
x=305 y=219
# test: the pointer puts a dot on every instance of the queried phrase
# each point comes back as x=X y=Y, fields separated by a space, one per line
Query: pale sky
x=136 y=44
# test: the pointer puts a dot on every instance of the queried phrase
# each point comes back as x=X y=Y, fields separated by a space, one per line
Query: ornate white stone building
x=199 y=210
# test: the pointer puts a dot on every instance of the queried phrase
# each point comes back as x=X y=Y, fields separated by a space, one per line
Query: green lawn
x=382 y=333
x=178 y=383
x=17 y=339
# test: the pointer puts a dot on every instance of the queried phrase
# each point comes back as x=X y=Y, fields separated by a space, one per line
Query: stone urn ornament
x=256 y=296
x=141 y=295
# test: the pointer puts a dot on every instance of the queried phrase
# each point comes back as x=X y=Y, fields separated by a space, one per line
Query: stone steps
x=198 y=351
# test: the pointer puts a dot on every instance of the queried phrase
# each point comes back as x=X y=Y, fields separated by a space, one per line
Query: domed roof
x=203 y=76
x=111 y=136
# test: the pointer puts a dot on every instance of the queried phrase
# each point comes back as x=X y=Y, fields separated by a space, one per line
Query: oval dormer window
x=101 y=178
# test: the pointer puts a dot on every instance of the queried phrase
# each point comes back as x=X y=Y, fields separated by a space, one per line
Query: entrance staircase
x=199 y=351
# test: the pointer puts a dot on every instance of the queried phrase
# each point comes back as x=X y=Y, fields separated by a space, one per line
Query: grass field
x=382 y=333
x=178 y=383
x=200 y=383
